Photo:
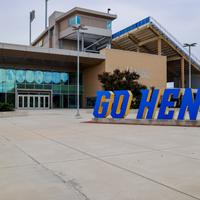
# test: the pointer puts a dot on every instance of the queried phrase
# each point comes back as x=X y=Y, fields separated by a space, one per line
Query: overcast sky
x=179 y=17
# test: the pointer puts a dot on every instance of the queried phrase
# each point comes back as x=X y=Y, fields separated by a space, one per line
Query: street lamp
x=46 y=13
x=32 y=17
x=190 y=62
x=77 y=28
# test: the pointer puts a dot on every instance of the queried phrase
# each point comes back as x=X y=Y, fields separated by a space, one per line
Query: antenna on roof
x=108 y=11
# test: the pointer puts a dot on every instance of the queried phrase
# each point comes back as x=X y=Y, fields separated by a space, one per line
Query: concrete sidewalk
x=50 y=155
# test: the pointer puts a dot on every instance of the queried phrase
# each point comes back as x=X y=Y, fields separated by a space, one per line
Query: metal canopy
x=143 y=36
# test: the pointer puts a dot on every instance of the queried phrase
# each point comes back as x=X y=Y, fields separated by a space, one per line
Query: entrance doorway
x=33 y=101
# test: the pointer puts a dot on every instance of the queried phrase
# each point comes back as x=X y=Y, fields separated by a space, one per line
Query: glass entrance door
x=34 y=101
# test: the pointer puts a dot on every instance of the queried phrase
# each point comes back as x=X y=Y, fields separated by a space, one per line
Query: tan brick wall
x=90 y=80
x=152 y=68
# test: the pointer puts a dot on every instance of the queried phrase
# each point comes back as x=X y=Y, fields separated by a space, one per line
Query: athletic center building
x=43 y=75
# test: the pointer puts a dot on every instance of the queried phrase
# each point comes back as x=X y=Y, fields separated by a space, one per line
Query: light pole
x=32 y=17
x=190 y=62
x=46 y=13
x=77 y=28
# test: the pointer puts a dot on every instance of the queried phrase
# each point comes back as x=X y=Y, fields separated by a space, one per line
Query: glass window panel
x=20 y=101
x=65 y=101
x=46 y=102
x=9 y=87
x=39 y=86
x=3 y=87
x=25 y=101
x=64 y=77
x=10 y=76
x=71 y=21
x=72 y=101
x=47 y=77
x=47 y=86
x=22 y=86
x=39 y=77
x=56 y=77
x=31 y=101
x=11 y=99
x=74 y=20
x=109 y=25
x=2 y=97
x=2 y=75
x=56 y=101
x=20 y=76
x=30 y=76
x=78 y=20
x=72 y=88
x=36 y=101
x=41 y=102
x=30 y=86
x=72 y=79
x=64 y=89
x=56 y=89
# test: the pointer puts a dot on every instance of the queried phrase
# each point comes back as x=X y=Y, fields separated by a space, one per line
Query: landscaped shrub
x=6 y=107
x=123 y=80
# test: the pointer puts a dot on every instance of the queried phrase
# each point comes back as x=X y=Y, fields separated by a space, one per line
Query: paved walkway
x=50 y=155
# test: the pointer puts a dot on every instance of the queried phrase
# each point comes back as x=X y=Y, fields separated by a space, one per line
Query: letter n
x=190 y=104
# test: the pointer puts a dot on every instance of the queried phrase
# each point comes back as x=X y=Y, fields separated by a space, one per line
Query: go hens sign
x=118 y=103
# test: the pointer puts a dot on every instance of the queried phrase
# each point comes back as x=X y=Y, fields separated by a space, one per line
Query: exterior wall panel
x=93 y=21
x=90 y=81
x=151 y=68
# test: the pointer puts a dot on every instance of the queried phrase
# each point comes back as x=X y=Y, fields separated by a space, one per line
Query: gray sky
x=179 y=17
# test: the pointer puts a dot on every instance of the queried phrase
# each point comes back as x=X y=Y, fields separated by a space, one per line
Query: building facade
x=43 y=76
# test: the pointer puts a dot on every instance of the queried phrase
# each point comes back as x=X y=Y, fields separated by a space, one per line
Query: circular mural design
x=56 y=77
x=47 y=77
x=10 y=80
x=20 y=76
x=2 y=75
x=30 y=76
x=10 y=76
x=64 y=77
x=39 y=77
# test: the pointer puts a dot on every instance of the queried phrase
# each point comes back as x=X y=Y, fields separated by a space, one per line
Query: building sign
x=118 y=103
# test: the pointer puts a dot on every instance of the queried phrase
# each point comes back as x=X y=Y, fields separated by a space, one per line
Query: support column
x=182 y=73
x=82 y=42
x=56 y=37
x=159 y=46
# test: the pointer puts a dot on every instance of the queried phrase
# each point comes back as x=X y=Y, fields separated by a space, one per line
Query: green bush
x=123 y=80
x=6 y=107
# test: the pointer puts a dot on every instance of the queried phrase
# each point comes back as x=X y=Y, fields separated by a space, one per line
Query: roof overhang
x=95 y=13
x=21 y=54
x=144 y=35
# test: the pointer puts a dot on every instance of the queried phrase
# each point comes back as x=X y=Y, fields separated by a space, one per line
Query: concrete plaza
x=50 y=155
